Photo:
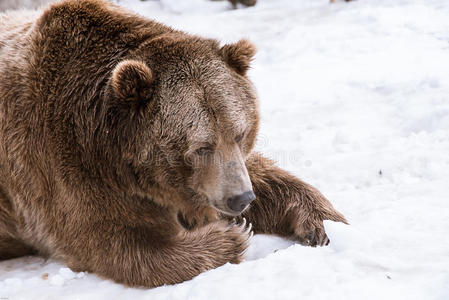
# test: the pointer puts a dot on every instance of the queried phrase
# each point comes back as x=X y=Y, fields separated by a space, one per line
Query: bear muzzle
x=240 y=202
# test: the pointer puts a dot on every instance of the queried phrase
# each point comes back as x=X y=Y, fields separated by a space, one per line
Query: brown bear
x=244 y=2
x=126 y=148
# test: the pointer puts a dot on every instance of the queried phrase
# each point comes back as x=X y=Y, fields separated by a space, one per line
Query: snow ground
x=355 y=100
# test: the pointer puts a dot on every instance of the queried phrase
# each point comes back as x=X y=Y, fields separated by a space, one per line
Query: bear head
x=195 y=118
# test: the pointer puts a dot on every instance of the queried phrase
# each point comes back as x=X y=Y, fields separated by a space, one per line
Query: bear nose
x=240 y=202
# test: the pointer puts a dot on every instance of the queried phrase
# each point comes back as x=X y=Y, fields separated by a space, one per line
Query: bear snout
x=238 y=203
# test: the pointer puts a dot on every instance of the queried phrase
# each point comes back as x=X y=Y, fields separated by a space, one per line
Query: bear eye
x=239 y=138
x=204 y=150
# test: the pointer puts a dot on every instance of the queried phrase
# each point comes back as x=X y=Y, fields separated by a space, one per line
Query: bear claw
x=312 y=238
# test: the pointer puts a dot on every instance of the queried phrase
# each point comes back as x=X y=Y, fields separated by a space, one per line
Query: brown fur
x=120 y=141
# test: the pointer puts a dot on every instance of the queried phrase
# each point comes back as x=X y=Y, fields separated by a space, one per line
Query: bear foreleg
x=152 y=257
x=287 y=206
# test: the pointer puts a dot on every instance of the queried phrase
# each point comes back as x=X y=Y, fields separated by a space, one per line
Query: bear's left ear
x=239 y=55
x=132 y=81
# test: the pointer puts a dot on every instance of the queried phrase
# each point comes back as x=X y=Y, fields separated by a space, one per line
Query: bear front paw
x=197 y=217
x=305 y=216
x=311 y=234
x=230 y=240
x=304 y=223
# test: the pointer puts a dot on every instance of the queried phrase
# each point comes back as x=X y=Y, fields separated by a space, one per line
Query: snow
x=355 y=100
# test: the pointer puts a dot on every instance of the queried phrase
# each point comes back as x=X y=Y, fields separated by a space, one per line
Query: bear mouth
x=228 y=211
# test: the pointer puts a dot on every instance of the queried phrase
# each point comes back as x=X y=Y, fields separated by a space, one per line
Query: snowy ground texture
x=355 y=100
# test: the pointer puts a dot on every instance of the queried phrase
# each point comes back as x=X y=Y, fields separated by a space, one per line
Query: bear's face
x=199 y=119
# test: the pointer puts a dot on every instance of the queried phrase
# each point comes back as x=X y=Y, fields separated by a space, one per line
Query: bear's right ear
x=132 y=81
